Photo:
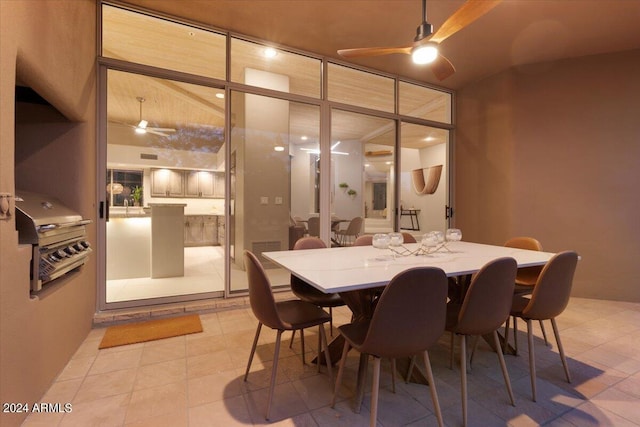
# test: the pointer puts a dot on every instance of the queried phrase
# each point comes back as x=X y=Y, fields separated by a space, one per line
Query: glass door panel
x=165 y=190
x=424 y=191
x=362 y=173
x=273 y=178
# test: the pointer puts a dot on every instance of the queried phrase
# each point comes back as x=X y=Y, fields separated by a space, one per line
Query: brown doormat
x=150 y=330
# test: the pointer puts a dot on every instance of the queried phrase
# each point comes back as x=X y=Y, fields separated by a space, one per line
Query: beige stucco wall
x=49 y=46
x=552 y=151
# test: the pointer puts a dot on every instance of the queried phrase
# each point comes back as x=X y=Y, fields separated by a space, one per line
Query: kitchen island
x=146 y=242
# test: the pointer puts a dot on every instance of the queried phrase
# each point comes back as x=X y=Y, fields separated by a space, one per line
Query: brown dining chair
x=313 y=226
x=483 y=310
x=347 y=236
x=282 y=316
x=525 y=280
x=408 y=237
x=414 y=300
x=308 y=293
x=549 y=299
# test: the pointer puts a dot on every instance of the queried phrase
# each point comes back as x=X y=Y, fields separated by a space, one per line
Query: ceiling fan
x=424 y=49
x=143 y=126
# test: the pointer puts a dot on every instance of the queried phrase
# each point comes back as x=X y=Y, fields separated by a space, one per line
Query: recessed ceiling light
x=278 y=148
x=304 y=137
x=220 y=95
x=270 y=52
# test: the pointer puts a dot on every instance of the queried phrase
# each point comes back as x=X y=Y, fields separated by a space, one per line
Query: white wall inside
x=431 y=216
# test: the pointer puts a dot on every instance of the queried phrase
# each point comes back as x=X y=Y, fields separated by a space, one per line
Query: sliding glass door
x=165 y=190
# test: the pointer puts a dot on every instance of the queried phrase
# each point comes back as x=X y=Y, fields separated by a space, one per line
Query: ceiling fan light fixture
x=424 y=54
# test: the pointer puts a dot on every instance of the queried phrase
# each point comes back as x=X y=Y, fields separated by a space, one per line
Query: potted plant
x=136 y=195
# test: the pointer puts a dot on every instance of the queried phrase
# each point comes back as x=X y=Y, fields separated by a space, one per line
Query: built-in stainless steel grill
x=57 y=234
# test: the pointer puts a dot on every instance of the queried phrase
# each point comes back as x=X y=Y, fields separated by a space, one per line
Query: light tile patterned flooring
x=196 y=380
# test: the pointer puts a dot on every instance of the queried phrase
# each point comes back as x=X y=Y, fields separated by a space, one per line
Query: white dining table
x=342 y=269
x=357 y=273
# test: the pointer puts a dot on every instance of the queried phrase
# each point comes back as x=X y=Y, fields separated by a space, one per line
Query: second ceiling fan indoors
x=143 y=126
x=424 y=49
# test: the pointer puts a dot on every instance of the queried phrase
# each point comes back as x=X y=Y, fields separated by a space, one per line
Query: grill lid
x=44 y=210
x=44 y=219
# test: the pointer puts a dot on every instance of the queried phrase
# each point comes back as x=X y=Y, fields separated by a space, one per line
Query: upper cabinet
x=200 y=184
x=167 y=183
x=187 y=183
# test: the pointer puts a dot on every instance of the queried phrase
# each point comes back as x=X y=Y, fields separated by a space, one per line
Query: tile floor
x=196 y=380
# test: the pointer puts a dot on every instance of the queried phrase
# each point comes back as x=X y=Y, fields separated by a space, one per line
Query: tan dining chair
x=525 y=280
x=347 y=236
x=414 y=300
x=308 y=293
x=549 y=299
x=282 y=316
x=483 y=310
x=364 y=240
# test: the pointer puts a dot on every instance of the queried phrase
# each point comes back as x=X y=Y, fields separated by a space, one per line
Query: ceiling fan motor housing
x=424 y=30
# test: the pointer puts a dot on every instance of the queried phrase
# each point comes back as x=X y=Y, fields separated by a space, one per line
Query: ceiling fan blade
x=373 y=51
x=171 y=130
x=442 y=67
x=465 y=15
x=155 y=132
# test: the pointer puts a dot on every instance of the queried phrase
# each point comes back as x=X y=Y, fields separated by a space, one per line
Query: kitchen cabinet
x=200 y=184
x=218 y=184
x=200 y=230
x=221 y=230
x=167 y=183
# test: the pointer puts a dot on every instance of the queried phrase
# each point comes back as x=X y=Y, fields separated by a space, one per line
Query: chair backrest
x=309 y=242
x=408 y=237
x=524 y=243
x=297 y=284
x=552 y=290
x=410 y=315
x=355 y=226
x=526 y=275
x=365 y=240
x=313 y=226
x=261 y=298
x=488 y=300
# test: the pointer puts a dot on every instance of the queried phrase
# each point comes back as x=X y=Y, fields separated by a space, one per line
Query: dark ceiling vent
x=148 y=156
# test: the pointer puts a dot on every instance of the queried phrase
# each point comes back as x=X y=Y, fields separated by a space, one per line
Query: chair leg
x=560 y=349
x=544 y=333
x=343 y=360
x=393 y=375
x=506 y=336
x=463 y=377
x=327 y=353
x=451 y=355
x=505 y=373
x=302 y=344
x=253 y=350
x=293 y=335
x=375 y=387
x=532 y=359
x=410 y=371
x=274 y=371
x=330 y=321
x=432 y=388
x=362 y=380
x=473 y=350
x=515 y=335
